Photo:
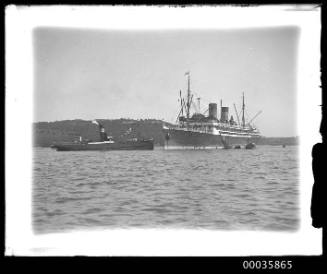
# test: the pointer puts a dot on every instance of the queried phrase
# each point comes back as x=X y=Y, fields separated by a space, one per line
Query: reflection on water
x=209 y=189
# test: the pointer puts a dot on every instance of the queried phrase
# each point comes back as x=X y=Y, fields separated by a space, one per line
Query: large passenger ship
x=198 y=130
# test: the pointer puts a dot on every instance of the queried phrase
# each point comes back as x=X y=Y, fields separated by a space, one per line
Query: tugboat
x=106 y=143
x=202 y=130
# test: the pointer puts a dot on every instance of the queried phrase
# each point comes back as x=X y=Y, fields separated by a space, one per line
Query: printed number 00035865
x=263 y=264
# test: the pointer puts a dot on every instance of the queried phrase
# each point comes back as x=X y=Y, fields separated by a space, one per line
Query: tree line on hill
x=48 y=133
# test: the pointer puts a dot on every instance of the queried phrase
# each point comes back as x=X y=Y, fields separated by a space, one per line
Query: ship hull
x=179 y=137
x=129 y=145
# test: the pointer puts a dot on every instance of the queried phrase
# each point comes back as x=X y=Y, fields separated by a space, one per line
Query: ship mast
x=243 y=108
x=188 y=104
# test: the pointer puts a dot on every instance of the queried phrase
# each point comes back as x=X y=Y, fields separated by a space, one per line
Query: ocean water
x=194 y=189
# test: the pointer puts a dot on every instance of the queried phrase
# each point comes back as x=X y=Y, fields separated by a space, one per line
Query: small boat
x=250 y=146
x=237 y=147
x=106 y=143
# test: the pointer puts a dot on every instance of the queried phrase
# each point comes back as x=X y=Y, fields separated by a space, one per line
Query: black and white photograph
x=161 y=130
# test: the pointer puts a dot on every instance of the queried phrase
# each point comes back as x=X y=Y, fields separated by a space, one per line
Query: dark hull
x=129 y=145
x=197 y=139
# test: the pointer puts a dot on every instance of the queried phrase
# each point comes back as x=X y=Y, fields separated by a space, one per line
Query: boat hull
x=179 y=137
x=128 y=145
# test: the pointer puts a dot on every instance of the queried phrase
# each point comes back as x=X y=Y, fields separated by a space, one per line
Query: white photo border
x=20 y=23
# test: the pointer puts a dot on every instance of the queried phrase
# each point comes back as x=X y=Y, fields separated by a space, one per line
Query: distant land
x=47 y=133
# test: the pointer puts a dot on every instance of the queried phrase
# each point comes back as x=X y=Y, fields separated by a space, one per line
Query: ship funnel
x=103 y=134
x=213 y=111
x=224 y=115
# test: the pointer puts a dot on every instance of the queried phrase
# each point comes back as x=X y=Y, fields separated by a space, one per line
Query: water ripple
x=213 y=189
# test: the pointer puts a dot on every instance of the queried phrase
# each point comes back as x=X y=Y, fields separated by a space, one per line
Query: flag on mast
x=95 y=122
x=187 y=73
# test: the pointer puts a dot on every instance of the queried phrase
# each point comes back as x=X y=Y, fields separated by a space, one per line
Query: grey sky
x=88 y=74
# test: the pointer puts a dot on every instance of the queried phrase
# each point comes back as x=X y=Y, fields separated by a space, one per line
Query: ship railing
x=238 y=130
x=239 y=133
x=195 y=130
